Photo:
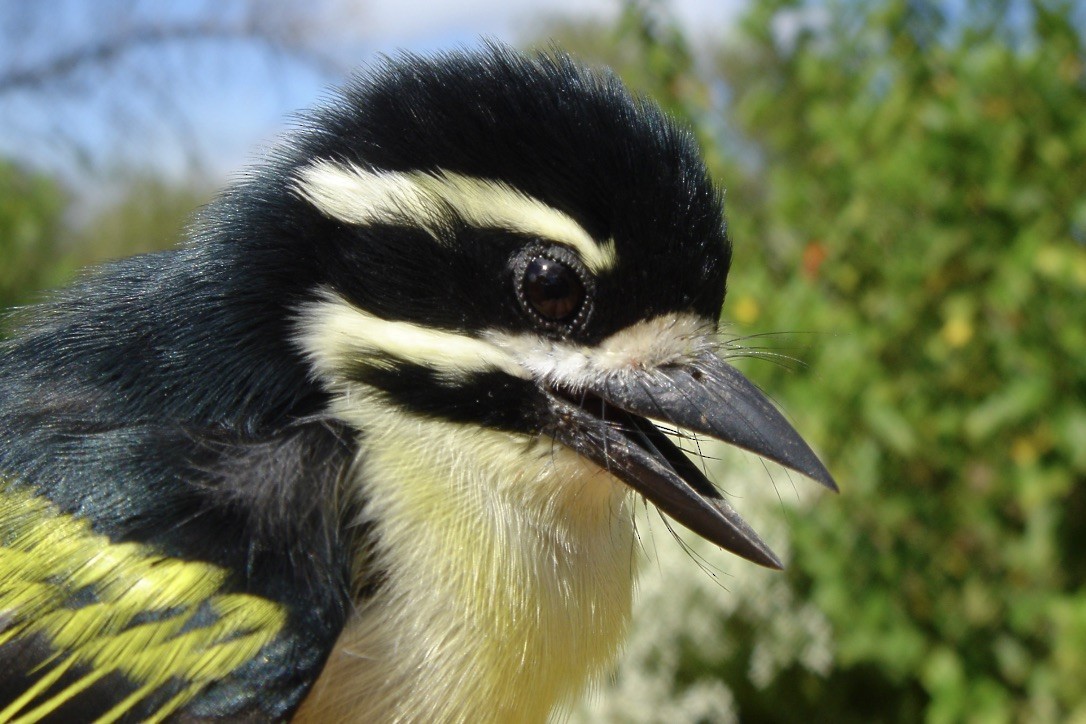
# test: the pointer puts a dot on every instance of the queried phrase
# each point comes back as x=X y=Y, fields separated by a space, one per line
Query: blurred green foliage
x=31 y=208
x=40 y=247
x=926 y=178
x=907 y=195
x=149 y=214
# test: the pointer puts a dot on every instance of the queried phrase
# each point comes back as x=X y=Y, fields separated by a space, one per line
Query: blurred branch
x=107 y=50
x=123 y=66
x=280 y=30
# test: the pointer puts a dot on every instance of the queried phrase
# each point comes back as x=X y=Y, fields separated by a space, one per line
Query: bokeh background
x=906 y=185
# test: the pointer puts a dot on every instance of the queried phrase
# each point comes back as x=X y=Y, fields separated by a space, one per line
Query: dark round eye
x=553 y=290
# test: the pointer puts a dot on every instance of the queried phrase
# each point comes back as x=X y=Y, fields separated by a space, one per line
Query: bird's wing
x=92 y=629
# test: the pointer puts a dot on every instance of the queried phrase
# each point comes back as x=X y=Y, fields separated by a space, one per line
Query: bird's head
x=516 y=243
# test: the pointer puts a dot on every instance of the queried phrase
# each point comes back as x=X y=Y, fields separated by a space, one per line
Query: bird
x=367 y=445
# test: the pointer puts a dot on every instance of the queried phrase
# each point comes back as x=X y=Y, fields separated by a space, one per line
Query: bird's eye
x=553 y=287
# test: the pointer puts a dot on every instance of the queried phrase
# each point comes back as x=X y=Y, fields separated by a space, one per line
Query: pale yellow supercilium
x=432 y=201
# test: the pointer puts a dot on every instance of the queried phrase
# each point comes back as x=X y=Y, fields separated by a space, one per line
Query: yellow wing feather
x=139 y=623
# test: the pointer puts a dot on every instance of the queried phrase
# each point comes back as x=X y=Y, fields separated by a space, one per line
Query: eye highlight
x=553 y=287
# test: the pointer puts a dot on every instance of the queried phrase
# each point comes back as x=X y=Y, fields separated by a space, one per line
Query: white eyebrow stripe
x=356 y=195
x=333 y=333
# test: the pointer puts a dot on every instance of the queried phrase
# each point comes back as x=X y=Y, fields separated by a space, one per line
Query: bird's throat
x=506 y=564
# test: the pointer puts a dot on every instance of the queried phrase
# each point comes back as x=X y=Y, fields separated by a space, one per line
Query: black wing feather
x=157 y=410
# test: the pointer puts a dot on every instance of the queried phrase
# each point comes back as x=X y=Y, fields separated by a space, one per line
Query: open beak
x=607 y=424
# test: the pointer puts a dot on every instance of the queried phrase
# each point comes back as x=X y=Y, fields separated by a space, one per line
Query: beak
x=608 y=425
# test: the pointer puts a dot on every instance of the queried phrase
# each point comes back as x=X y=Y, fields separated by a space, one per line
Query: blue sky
x=231 y=100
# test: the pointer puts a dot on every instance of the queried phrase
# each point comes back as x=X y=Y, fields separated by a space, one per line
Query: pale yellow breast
x=510 y=568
